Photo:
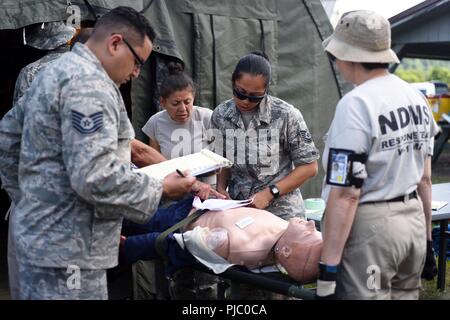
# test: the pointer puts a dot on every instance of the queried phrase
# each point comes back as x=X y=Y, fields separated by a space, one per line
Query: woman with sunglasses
x=267 y=140
x=270 y=147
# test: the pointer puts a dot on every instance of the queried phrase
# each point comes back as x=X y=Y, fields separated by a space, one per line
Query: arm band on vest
x=340 y=167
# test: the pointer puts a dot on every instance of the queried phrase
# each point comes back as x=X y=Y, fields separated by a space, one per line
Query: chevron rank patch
x=306 y=136
x=87 y=124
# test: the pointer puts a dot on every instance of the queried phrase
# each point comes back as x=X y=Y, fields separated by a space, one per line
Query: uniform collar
x=265 y=110
x=262 y=115
x=61 y=49
x=84 y=52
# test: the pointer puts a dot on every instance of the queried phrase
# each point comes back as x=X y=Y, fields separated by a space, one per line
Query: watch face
x=274 y=190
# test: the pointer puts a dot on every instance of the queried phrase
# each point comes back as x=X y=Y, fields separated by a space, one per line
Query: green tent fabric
x=19 y=13
x=209 y=36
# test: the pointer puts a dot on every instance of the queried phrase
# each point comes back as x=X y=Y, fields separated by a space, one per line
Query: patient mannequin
x=254 y=238
x=243 y=236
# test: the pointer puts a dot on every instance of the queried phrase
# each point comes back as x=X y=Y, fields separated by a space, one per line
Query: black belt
x=410 y=196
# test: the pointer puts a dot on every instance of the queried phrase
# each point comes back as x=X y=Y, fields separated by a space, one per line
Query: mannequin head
x=298 y=250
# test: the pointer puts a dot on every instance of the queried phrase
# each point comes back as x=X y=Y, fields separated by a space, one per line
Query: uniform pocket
x=365 y=229
x=105 y=236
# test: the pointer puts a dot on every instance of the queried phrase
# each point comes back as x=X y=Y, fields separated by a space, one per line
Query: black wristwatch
x=274 y=191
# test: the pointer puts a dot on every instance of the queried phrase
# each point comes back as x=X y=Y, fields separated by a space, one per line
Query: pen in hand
x=180 y=173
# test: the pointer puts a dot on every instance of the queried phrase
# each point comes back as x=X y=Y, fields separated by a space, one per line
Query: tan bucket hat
x=361 y=36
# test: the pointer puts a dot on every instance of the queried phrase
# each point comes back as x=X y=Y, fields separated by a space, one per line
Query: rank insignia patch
x=87 y=124
x=306 y=136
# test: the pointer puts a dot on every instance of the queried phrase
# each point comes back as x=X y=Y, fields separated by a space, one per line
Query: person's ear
x=162 y=101
x=113 y=44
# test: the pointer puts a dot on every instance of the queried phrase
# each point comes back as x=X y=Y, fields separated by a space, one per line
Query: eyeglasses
x=138 y=61
x=242 y=96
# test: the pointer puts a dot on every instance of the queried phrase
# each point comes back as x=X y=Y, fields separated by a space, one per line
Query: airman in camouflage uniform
x=52 y=37
x=270 y=147
x=72 y=135
x=277 y=127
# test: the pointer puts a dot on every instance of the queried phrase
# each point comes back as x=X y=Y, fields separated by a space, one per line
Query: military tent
x=208 y=36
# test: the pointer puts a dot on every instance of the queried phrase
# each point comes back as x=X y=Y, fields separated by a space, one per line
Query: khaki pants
x=385 y=252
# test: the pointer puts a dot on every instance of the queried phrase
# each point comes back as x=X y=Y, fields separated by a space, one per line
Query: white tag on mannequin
x=245 y=222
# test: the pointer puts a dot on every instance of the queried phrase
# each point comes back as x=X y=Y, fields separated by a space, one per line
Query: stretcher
x=149 y=281
x=275 y=282
x=150 y=275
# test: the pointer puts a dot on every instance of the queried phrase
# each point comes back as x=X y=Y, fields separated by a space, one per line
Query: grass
x=430 y=292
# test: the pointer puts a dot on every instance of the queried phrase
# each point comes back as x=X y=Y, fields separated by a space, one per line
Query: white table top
x=441 y=192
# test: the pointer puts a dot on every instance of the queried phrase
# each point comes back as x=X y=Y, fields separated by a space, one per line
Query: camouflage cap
x=49 y=35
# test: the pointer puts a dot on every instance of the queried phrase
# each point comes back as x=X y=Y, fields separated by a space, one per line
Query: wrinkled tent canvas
x=209 y=36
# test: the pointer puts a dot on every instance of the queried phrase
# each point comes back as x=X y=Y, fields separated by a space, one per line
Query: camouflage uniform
x=29 y=72
x=289 y=144
x=54 y=37
x=41 y=284
x=48 y=36
x=278 y=130
x=74 y=173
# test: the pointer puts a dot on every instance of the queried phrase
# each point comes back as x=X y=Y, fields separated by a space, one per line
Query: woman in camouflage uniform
x=267 y=140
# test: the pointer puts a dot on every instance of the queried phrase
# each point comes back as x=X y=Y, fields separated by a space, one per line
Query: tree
x=411 y=75
x=440 y=74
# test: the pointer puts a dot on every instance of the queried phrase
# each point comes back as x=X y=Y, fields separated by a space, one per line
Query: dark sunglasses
x=242 y=96
x=331 y=57
x=137 y=60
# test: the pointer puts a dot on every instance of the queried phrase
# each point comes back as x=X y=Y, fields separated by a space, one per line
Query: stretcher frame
x=275 y=281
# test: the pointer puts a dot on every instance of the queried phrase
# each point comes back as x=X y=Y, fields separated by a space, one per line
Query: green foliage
x=440 y=74
x=411 y=75
x=420 y=70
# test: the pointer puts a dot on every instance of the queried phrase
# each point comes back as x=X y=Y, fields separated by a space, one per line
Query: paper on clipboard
x=220 y=204
x=437 y=205
x=198 y=164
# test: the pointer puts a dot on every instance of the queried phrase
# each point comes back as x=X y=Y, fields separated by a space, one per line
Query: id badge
x=338 y=167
